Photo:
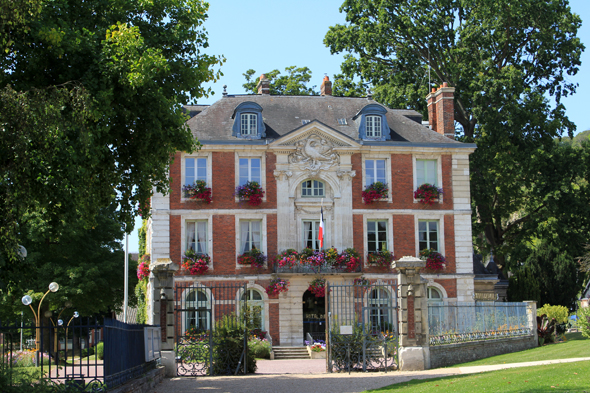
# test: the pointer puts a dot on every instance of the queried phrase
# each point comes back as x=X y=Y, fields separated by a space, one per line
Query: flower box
x=435 y=261
x=316 y=355
x=277 y=285
x=310 y=261
x=375 y=192
x=382 y=259
x=251 y=192
x=254 y=258
x=195 y=264
x=198 y=191
x=427 y=194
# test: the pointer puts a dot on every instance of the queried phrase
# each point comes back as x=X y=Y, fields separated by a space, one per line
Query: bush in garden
x=260 y=348
x=100 y=350
x=560 y=313
x=228 y=336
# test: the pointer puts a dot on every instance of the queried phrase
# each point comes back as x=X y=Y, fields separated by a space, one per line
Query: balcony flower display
x=381 y=259
x=349 y=259
x=254 y=258
x=318 y=287
x=251 y=191
x=277 y=285
x=331 y=257
x=143 y=269
x=287 y=258
x=427 y=193
x=435 y=261
x=375 y=191
x=195 y=264
x=198 y=190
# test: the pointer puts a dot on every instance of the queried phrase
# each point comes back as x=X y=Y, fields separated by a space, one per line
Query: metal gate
x=362 y=327
x=211 y=330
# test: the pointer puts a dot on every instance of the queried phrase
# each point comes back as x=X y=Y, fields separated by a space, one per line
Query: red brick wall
x=273 y=310
x=403 y=236
x=450 y=244
x=224 y=244
x=223 y=184
x=450 y=285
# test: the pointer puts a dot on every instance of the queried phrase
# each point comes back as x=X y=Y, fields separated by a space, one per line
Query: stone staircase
x=290 y=353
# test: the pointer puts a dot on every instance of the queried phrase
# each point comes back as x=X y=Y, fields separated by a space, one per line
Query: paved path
x=296 y=376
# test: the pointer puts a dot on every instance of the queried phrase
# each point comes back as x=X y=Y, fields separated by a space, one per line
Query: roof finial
x=369 y=94
x=224 y=90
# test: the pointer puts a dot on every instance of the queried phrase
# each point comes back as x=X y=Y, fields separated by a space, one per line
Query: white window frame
x=323 y=183
x=194 y=217
x=379 y=156
x=374 y=128
x=249 y=176
x=387 y=301
x=441 y=230
x=314 y=228
x=187 y=223
x=254 y=303
x=201 y=154
x=185 y=304
x=377 y=232
x=246 y=119
x=439 y=177
x=251 y=154
x=239 y=217
x=377 y=217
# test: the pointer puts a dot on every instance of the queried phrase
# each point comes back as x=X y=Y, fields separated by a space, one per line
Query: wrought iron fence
x=81 y=354
x=362 y=327
x=460 y=322
x=309 y=268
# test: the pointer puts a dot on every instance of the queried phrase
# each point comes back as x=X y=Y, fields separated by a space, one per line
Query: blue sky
x=267 y=35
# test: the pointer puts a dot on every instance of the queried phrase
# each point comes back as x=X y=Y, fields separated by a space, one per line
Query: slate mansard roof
x=283 y=114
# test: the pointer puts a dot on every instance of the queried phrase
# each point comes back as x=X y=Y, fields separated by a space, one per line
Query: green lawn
x=576 y=346
x=564 y=377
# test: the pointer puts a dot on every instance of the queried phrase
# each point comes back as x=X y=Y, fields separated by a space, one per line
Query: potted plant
x=195 y=264
x=318 y=287
x=427 y=193
x=331 y=257
x=254 y=258
x=374 y=192
x=251 y=191
x=143 y=269
x=381 y=259
x=198 y=190
x=276 y=286
x=435 y=261
x=349 y=259
x=287 y=258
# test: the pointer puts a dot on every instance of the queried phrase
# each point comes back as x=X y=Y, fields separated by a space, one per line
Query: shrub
x=260 y=348
x=100 y=350
x=228 y=336
x=584 y=320
x=560 y=313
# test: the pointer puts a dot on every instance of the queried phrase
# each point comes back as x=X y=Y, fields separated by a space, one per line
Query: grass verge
x=564 y=377
x=576 y=346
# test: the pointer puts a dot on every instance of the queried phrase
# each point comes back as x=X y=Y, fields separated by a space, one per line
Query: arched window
x=254 y=308
x=380 y=311
x=435 y=303
x=198 y=311
x=313 y=189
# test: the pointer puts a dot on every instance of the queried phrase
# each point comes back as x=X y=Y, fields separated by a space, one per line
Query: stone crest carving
x=281 y=175
x=314 y=154
x=345 y=175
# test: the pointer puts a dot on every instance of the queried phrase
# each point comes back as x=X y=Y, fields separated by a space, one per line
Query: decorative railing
x=309 y=268
x=463 y=322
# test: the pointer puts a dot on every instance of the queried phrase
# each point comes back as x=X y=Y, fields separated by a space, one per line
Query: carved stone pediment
x=314 y=154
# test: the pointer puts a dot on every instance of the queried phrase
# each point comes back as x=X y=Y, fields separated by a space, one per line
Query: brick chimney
x=263 y=85
x=441 y=110
x=326 y=87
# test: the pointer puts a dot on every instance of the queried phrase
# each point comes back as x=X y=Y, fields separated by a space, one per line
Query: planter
x=316 y=355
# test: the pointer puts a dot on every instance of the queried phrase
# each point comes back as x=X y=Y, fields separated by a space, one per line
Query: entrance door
x=314 y=317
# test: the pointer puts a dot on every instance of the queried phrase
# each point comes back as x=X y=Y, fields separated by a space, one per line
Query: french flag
x=321 y=230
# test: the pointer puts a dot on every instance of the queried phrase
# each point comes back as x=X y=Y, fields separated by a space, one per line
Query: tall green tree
x=90 y=106
x=294 y=82
x=509 y=61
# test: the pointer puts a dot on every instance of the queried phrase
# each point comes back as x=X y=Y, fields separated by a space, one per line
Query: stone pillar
x=163 y=270
x=414 y=351
x=531 y=313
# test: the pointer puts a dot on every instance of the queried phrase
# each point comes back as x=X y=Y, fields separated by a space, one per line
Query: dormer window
x=248 y=122
x=373 y=126
x=373 y=123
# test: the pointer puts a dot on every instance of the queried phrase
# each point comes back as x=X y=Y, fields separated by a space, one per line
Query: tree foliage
x=504 y=58
x=294 y=82
x=90 y=105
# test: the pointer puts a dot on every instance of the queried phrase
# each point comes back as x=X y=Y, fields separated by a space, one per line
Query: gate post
x=163 y=309
x=414 y=353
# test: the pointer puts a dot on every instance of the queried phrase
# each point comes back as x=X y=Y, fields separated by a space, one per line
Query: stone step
x=290 y=353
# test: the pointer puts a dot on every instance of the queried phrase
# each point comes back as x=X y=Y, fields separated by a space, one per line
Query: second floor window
x=313 y=188
x=374 y=172
x=248 y=124
x=376 y=236
x=373 y=124
x=310 y=234
x=250 y=235
x=196 y=236
x=428 y=235
x=249 y=170
x=194 y=169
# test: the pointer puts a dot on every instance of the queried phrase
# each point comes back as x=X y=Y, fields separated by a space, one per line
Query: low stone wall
x=144 y=384
x=450 y=354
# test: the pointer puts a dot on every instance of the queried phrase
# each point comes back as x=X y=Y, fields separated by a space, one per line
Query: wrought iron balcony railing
x=323 y=269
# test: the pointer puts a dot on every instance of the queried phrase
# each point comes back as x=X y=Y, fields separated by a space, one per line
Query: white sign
x=346 y=329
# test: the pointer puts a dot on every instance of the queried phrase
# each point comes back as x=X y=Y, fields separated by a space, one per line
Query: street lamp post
x=27 y=301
